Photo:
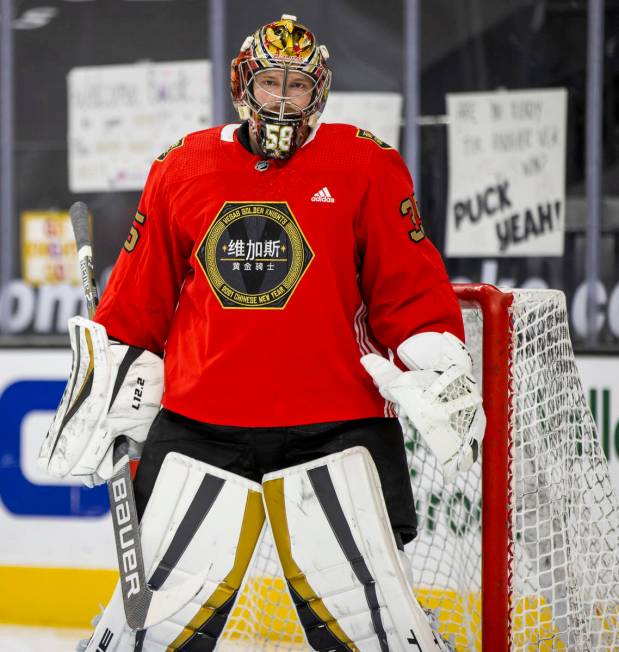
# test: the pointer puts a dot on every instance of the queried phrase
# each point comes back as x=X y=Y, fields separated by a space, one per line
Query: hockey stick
x=143 y=606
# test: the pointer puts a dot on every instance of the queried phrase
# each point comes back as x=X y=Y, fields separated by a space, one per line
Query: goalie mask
x=280 y=82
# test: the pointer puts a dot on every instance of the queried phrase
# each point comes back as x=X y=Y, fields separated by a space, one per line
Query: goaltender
x=264 y=260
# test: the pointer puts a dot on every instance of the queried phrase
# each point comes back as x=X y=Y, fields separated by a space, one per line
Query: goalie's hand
x=444 y=405
x=114 y=390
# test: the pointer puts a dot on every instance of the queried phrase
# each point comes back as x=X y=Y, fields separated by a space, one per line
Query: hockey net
x=542 y=549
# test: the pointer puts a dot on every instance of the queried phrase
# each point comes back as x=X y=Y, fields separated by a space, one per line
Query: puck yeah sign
x=506 y=173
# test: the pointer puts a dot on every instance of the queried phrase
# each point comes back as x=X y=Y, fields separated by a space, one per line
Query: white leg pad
x=344 y=572
x=199 y=520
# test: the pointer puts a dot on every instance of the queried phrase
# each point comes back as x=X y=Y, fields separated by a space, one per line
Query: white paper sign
x=379 y=113
x=506 y=173
x=122 y=117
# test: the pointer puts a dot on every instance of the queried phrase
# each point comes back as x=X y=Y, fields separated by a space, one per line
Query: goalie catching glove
x=114 y=390
x=438 y=396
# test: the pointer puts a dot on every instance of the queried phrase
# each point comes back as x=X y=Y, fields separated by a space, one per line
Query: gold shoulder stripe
x=178 y=143
x=368 y=135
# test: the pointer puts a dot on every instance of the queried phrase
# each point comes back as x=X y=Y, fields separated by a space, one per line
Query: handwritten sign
x=506 y=173
x=122 y=117
x=49 y=254
x=379 y=113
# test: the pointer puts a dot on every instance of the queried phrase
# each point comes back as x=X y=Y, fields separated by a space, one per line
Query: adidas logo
x=324 y=195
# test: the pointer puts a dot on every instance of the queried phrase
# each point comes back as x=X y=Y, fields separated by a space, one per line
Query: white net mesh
x=564 y=592
x=565 y=518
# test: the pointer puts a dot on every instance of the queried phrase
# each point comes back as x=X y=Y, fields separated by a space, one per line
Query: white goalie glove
x=439 y=396
x=114 y=390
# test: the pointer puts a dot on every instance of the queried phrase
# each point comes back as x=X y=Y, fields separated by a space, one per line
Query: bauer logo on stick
x=121 y=512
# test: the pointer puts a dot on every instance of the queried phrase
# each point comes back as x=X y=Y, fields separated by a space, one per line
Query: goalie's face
x=281 y=93
x=280 y=82
x=282 y=99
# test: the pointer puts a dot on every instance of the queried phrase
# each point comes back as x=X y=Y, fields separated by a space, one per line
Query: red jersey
x=264 y=281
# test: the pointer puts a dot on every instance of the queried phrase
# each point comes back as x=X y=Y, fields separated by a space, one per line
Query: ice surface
x=35 y=639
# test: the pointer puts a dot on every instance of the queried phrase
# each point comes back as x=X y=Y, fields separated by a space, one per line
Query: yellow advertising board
x=48 y=250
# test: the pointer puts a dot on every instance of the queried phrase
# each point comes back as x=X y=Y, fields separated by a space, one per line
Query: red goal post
x=496 y=470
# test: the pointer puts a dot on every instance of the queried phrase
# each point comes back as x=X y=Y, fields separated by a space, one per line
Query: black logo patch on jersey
x=254 y=254
x=368 y=135
x=178 y=143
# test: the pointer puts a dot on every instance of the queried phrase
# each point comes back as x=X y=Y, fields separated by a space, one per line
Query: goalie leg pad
x=335 y=543
x=200 y=520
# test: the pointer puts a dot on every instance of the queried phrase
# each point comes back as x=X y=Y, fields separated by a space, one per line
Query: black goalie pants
x=252 y=452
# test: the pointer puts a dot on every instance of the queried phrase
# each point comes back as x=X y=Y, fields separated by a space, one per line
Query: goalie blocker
x=114 y=390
